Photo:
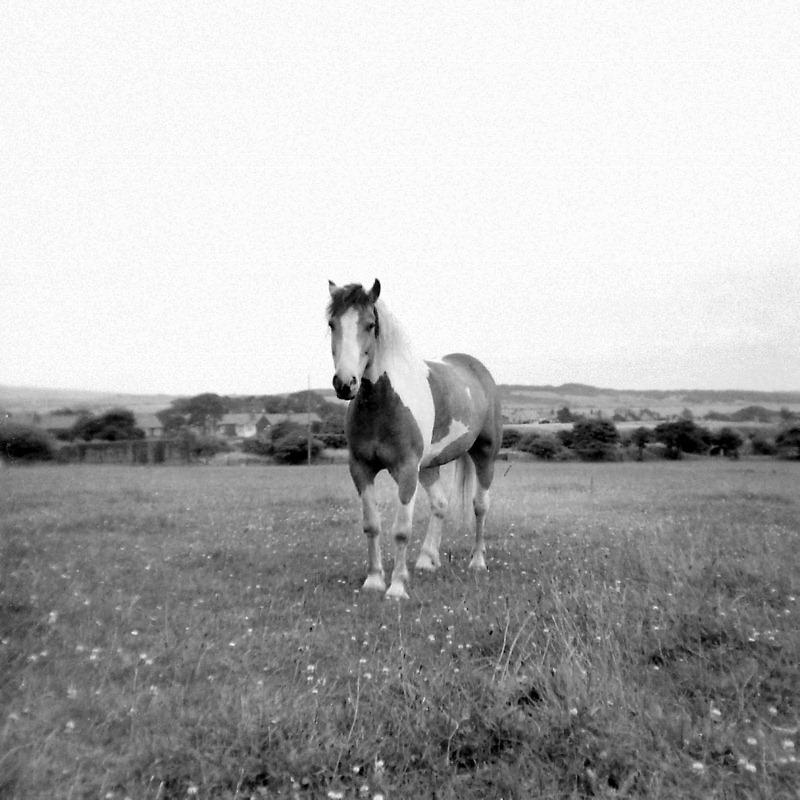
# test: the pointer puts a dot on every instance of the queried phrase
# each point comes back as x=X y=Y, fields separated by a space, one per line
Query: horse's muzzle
x=345 y=391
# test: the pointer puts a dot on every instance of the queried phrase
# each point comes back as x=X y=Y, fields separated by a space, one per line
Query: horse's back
x=463 y=388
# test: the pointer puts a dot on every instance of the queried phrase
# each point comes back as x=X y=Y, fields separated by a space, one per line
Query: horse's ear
x=375 y=291
x=332 y=288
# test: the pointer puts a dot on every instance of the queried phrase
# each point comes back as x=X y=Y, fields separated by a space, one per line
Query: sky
x=604 y=193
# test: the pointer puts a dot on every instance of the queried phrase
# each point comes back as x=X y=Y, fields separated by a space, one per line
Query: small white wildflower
x=787 y=744
x=70 y=726
x=752 y=741
x=335 y=794
x=698 y=766
x=52 y=617
x=772 y=711
x=573 y=712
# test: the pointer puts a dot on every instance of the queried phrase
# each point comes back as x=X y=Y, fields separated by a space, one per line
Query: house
x=250 y=424
x=151 y=425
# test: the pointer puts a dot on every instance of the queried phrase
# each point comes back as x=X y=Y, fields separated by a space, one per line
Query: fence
x=132 y=451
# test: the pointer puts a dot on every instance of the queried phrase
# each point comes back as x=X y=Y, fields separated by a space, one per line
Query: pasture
x=179 y=632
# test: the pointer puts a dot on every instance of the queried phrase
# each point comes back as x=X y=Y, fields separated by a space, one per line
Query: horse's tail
x=464 y=486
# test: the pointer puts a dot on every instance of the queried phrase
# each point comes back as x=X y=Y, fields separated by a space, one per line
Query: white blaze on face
x=349 y=360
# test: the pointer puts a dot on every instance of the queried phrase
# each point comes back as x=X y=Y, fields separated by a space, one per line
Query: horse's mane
x=394 y=345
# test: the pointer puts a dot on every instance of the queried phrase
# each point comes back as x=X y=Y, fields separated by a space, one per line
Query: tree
x=115 y=425
x=682 y=436
x=594 y=439
x=789 y=441
x=565 y=415
x=728 y=441
x=202 y=410
x=172 y=420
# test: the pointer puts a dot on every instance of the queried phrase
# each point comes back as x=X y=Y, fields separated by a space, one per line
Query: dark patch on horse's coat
x=381 y=430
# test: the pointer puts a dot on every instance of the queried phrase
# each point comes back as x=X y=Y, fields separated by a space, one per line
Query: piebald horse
x=410 y=416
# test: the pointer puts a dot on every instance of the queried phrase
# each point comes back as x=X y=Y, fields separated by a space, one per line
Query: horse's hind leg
x=484 y=473
x=429 y=554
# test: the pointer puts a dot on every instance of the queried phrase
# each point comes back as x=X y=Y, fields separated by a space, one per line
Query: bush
x=292 y=447
x=543 y=447
x=761 y=446
x=24 y=443
x=205 y=447
x=115 y=425
x=683 y=436
x=336 y=441
x=257 y=446
x=511 y=438
x=788 y=441
x=594 y=439
x=566 y=437
x=727 y=442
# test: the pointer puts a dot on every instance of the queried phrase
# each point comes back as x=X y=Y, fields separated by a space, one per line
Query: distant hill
x=521 y=402
x=690 y=395
x=18 y=399
x=528 y=403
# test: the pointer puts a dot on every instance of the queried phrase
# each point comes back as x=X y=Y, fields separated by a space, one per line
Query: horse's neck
x=395 y=355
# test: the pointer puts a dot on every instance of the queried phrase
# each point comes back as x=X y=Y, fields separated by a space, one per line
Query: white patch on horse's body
x=407 y=373
x=456 y=430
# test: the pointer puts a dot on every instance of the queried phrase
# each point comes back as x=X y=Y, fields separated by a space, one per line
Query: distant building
x=246 y=425
x=151 y=425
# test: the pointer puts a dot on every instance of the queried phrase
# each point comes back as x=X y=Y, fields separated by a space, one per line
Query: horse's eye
x=370 y=327
x=330 y=324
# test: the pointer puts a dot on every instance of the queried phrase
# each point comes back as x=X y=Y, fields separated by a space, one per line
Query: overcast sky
x=606 y=193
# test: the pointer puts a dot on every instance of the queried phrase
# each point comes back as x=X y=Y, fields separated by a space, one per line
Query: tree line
x=600 y=440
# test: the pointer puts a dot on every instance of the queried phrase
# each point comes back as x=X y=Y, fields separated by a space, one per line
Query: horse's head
x=354 y=326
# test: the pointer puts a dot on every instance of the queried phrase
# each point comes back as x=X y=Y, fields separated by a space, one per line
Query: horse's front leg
x=365 y=484
x=406 y=477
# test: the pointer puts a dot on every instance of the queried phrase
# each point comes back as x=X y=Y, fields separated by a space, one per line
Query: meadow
x=199 y=632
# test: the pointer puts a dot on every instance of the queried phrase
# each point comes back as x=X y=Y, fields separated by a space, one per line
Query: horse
x=410 y=417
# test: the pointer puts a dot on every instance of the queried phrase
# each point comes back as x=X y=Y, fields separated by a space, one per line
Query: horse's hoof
x=374 y=583
x=478 y=564
x=425 y=563
x=397 y=592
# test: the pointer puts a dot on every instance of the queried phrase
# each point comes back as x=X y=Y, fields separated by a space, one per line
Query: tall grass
x=200 y=632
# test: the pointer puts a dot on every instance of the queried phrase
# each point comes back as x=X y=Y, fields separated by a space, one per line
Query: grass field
x=199 y=632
